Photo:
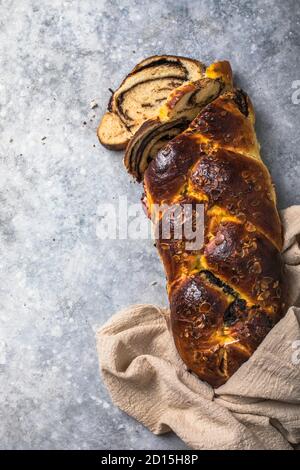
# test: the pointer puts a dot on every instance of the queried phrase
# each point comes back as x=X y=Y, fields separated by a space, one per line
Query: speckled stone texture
x=58 y=281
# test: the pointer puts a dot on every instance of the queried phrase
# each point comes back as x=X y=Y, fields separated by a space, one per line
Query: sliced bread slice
x=142 y=93
x=181 y=107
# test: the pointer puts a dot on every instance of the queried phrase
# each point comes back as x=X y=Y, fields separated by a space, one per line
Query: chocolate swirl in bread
x=174 y=116
x=141 y=94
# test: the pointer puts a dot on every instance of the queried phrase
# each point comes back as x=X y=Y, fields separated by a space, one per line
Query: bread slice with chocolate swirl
x=174 y=116
x=226 y=295
x=142 y=93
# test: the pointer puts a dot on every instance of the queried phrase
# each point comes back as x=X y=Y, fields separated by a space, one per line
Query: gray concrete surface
x=58 y=281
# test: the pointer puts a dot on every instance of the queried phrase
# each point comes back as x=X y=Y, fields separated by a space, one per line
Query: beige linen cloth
x=259 y=406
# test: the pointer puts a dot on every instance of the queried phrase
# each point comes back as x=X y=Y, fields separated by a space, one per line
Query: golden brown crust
x=226 y=296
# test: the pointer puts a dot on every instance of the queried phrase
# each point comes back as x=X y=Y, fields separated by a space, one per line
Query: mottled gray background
x=58 y=281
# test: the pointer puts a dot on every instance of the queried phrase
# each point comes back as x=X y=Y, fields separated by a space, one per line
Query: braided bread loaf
x=226 y=296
